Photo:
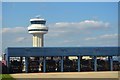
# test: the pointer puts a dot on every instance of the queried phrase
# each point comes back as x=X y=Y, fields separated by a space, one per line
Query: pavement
x=104 y=74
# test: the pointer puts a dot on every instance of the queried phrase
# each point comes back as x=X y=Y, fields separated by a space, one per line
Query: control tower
x=38 y=29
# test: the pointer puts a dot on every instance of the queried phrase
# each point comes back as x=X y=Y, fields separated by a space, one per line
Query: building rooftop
x=62 y=51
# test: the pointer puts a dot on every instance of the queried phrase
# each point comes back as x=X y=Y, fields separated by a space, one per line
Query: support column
x=26 y=64
x=111 y=63
x=33 y=40
x=95 y=63
x=8 y=64
x=38 y=40
x=79 y=57
x=21 y=61
x=44 y=64
x=62 y=63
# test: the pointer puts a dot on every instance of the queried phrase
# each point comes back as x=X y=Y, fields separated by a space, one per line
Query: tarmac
x=107 y=75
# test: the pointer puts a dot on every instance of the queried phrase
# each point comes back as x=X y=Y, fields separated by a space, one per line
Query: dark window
x=38 y=30
x=38 y=22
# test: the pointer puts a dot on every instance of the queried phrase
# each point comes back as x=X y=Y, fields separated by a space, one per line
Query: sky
x=71 y=24
x=60 y=0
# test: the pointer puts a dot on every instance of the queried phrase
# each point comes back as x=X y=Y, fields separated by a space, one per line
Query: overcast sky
x=72 y=24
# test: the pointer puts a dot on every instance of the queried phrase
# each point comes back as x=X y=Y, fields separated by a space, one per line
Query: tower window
x=38 y=30
x=38 y=22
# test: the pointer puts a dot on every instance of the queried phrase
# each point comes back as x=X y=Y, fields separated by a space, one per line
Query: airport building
x=58 y=59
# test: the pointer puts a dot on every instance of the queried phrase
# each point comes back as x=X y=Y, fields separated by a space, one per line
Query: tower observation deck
x=38 y=29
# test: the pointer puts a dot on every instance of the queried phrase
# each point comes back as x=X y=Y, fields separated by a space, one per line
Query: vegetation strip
x=6 y=77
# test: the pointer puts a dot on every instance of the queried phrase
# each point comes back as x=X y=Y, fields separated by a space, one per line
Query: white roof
x=37 y=19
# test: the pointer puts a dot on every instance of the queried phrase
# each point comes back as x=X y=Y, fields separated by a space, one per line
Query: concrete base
x=107 y=74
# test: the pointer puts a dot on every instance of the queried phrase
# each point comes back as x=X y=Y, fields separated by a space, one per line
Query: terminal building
x=58 y=59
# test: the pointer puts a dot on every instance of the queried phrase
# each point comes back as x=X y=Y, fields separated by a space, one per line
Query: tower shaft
x=38 y=40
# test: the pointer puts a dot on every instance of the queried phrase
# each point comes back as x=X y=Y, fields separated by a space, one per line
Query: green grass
x=6 y=77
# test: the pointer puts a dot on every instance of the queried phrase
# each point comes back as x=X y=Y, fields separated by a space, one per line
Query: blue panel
x=62 y=51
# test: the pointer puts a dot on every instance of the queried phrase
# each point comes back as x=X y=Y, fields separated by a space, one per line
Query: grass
x=6 y=77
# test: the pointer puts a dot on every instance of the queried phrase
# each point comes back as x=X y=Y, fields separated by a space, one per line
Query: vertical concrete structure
x=8 y=63
x=111 y=62
x=95 y=63
x=26 y=64
x=62 y=63
x=44 y=64
x=38 y=29
x=79 y=60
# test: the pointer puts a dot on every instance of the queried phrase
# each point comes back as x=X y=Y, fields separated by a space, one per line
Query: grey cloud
x=103 y=40
x=19 y=39
x=14 y=30
x=108 y=36
x=86 y=27
x=105 y=36
x=87 y=24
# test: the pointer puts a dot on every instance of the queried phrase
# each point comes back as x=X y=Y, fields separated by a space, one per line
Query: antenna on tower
x=38 y=16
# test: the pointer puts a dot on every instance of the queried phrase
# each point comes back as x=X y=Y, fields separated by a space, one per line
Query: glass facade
x=38 y=22
x=38 y=30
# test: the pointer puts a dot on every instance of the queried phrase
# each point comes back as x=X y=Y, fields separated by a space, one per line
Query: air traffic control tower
x=38 y=29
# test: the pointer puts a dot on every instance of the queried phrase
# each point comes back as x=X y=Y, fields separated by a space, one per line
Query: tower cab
x=38 y=21
x=37 y=26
